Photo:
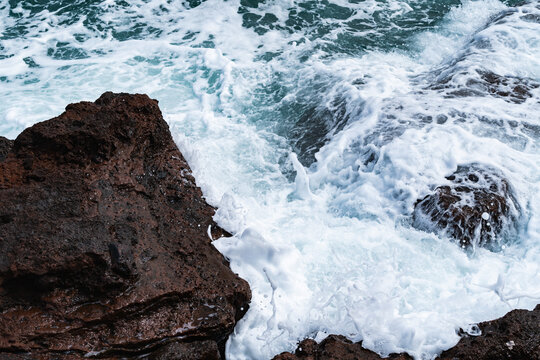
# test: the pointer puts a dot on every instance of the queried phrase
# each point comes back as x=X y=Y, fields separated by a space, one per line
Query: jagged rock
x=335 y=347
x=5 y=147
x=515 y=336
x=478 y=207
x=104 y=250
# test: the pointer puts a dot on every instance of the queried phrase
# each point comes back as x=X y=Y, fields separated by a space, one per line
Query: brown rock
x=515 y=336
x=5 y=147
x=335 y=347
x=206 y=350
x=457 y=209
x=103 y=241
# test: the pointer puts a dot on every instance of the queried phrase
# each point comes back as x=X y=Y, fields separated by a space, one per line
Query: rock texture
x=5 y=147
x=478 y=207
x=515 y=336
x=335 y=347
x=104 y=250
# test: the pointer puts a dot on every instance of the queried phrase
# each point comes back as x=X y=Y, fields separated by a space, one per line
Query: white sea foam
x=326 y=248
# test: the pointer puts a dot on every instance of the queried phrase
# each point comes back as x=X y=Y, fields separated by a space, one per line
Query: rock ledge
x=104 y=249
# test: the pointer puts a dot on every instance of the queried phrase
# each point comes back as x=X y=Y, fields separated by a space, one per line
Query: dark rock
x=206 y=350
x=335 y=347
x=103 y=241
x=5 y=147
x=457 y=209
x=482 y=82
x=314 y=126
x=466 y=76
x=513 y=89
x=515 y=336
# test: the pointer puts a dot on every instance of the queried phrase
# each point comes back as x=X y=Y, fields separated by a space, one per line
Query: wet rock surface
x=335 y=347
x=512 y=89
x=477 y=207
x=104 y=249
x=515 y=336
x=487 y=83
x=315 y=126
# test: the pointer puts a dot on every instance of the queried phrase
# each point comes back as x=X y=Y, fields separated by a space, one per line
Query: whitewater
x=313 y=127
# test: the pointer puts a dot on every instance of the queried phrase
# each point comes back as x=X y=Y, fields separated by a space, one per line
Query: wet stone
x=515 y=336
x=477 y=207
x=335 y=347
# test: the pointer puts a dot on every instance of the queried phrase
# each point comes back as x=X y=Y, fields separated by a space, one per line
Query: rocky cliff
x=104 y=245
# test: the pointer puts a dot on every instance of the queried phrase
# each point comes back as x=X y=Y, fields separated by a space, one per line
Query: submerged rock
x=515 y=336
x=483 y=83
x=104 y=248
x=477 y=208
x=315 y=126
x=335 y=347
x=513 y=89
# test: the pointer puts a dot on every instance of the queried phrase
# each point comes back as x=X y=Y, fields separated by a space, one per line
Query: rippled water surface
x=315 y=126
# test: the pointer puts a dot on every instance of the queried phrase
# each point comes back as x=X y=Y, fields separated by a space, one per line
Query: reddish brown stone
x=456 y=209
x=5 y=147
x=515 y=336
x=334 y=347
x=103 y=241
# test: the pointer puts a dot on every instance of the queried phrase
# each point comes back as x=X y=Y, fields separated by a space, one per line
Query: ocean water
x=314 y=126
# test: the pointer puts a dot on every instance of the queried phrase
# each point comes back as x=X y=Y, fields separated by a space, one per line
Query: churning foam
x=327 y=247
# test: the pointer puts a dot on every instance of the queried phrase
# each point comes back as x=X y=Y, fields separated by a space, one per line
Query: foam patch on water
x=367 y=269
x=326 y=244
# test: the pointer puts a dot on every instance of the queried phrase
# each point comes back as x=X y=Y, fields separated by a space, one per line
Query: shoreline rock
x=104 y=250
x=334 y=347
x=515 y=336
